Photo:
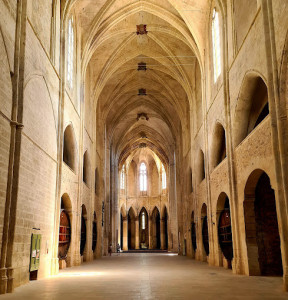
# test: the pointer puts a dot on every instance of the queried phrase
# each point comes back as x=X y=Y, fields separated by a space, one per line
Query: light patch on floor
x=149 y=276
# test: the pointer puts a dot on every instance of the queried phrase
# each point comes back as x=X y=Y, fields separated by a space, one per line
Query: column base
x=285 y=282
x=10 y=282
x=3 y=281
x=54 y=266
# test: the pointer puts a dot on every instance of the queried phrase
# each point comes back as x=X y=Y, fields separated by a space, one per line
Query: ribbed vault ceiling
x=111 y=51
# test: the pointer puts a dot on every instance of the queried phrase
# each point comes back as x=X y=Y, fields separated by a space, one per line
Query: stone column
x=125 y=233
x=150 y=232
x=162 y=234
x=137 y=233
x=154 y=234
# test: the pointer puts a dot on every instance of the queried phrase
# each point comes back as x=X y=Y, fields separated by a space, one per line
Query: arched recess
x=70 y=148
x=144 y=229
x=201 y=166
x=65 y=232
x=86 y=168
x=94 y=232
x=252 y=106
x=83 y=231
x=131 y=229
x=123 y=218
x=193 y=233
x=224 y=228
x=205 y=232
x=218 y=153
x=156 y=243
x=261 y=226
x=164 y=219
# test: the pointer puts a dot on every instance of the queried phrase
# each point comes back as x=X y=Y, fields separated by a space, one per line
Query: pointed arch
x=205 y=231
x=261 y=226
x=144 y=228
x=223 y=218
x=252 y=106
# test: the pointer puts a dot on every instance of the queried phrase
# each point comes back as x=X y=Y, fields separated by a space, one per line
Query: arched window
x=143 y=220
x=216 y=44
x=70 y=53
x=143 y=178
x=164 y=182
x=122 y=178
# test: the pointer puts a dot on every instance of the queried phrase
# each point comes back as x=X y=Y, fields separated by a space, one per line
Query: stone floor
x=149 y=276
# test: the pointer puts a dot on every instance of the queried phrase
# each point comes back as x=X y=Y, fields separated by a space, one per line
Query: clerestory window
x=143 y=178
x=122 y=178
x=216 y=45
x=70 y=53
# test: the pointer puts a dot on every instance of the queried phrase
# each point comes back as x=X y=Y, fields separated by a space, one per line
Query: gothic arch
x=252 y=106
x=261 y=226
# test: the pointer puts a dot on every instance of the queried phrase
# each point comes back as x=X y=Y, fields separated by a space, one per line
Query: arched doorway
x=94 y=233
x=193 y=233
x=156 y=229
x=205 y=234
x=64 y=232
x=261 y=225
x=165 y=220
x=121 y=231
x=131 y=229
x=224 y=228
x=144 y=229
x=83 y=230
x=123 y=227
